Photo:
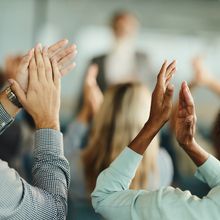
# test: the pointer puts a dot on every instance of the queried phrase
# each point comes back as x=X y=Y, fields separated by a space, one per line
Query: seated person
x=112 y=197
x=121 y=115
x=37 y=89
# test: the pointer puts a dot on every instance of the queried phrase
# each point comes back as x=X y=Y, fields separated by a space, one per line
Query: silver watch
x=12 y=97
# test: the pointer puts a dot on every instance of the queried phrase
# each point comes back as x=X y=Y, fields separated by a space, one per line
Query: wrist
x=197 y=154
x=49 y=123
x=10 y=108
x=144 y=137
x=189 y=145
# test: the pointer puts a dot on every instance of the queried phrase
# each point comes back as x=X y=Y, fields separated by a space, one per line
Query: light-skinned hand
x=202 y=76
x=92 y=95
x=42 y=99
x=59 y=51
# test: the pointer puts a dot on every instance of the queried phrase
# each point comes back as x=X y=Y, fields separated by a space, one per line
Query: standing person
x=112 y=197
x=123 y=63
x=37 y=89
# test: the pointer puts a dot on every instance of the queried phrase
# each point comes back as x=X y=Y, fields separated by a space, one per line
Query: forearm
x=114 y=181
x=197 y=154
x=144 y=137
x=50 y=168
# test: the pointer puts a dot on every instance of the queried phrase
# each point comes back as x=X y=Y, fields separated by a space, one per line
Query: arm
x=203 y=77
x=47 y=199
x=78 y=130
x=112 y=197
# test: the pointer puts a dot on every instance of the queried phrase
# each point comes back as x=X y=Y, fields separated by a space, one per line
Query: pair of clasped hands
x=37 y=82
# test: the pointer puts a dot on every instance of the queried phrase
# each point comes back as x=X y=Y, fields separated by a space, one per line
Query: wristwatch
x=12 y=97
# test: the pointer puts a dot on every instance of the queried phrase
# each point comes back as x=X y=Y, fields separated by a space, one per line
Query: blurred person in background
x=205 y=78
x=123 y=63
x=116 y=121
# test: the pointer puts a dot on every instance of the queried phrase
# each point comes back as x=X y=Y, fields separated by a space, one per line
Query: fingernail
x=31 y=50
x=39 y=46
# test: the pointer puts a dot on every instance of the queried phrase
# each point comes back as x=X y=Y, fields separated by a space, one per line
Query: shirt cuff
x=127 y=162
x=209 y=172
x=48 y=141
x=5 y=119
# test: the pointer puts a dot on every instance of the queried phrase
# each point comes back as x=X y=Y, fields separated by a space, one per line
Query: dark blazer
x=141 y=63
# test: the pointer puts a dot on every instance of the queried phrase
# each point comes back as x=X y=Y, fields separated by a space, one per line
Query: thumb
x=15 y=87
x=25 y=61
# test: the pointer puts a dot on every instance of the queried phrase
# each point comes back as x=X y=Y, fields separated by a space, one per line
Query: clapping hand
x=59 y=51
x=185 y=122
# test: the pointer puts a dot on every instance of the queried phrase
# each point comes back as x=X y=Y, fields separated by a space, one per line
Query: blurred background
x=167 y=29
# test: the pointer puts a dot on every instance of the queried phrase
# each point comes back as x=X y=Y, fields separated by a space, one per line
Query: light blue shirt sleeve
x=75 y=137
x=113 y=199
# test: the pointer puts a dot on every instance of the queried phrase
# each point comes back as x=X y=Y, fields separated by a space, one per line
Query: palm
x=58 y=51
x=185 y=118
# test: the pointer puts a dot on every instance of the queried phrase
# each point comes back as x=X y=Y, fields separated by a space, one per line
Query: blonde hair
x=122 y=115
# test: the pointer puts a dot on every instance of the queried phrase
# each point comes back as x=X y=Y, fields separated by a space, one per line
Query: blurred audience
x=112 y=197
x=117 y=120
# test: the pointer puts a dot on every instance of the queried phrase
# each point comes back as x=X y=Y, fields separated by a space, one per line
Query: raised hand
x=59 y=51
x=42 y=99
x=185 y=122
x=92 y=95
x=161 y=103
x=202 y=76
x=161 y=107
